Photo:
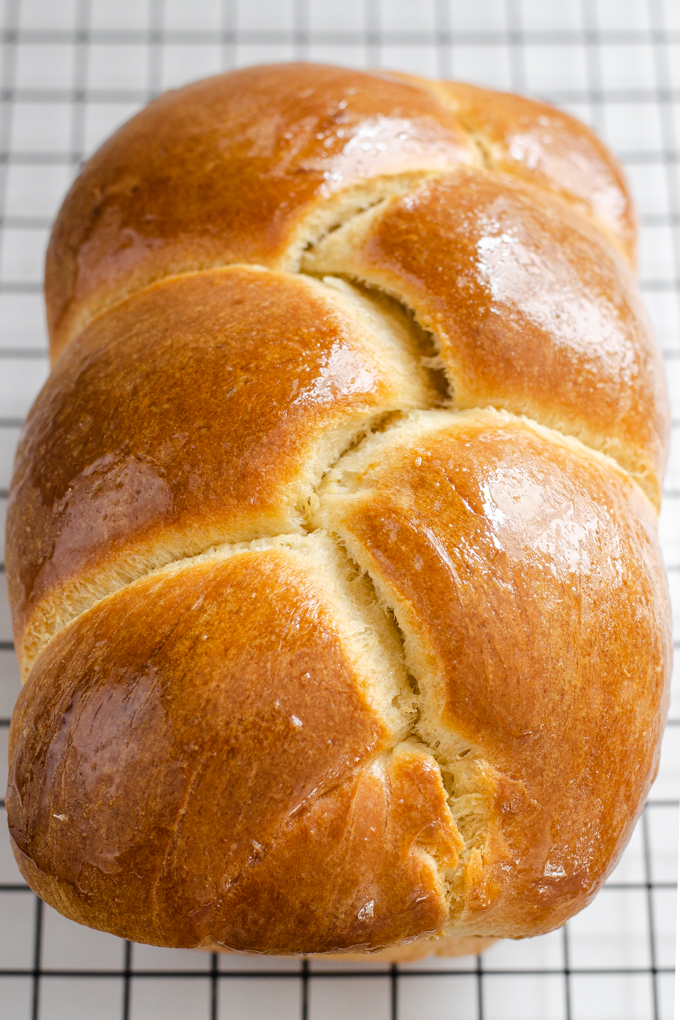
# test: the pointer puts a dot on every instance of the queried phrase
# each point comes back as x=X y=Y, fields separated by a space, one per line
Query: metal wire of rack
x=71 y=71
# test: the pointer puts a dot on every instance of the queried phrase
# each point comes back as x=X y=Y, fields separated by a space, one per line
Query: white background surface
x=73 y=70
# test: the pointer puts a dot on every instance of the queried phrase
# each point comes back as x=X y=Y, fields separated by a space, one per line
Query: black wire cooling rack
x=71 y=71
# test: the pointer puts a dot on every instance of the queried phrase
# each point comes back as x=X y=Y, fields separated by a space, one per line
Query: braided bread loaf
x=332 y=540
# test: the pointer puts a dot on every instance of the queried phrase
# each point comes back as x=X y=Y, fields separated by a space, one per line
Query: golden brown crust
x=547 y=149
x=531 y=309
x=527 y=578
x=201 y=410
x=198 y=750
x=225 y=170
x=219 y=744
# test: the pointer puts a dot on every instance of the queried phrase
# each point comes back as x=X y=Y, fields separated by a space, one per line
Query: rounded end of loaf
x=256 y=164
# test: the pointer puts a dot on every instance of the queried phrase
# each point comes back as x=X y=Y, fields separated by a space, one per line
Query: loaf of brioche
x=332 y=537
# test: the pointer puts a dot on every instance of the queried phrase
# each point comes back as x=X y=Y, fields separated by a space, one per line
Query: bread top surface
x=251 y=165
x=234 y=470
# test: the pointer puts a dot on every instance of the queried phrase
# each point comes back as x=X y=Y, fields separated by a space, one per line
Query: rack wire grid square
x=71 y=71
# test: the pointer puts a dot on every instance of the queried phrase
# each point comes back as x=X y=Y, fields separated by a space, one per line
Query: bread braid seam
x=489 y=162
x=308 y=239
x=362 y=434
x=451 y=878
x=368 y=290
x=431 y=86
x=398 y=181
x=369 y=286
